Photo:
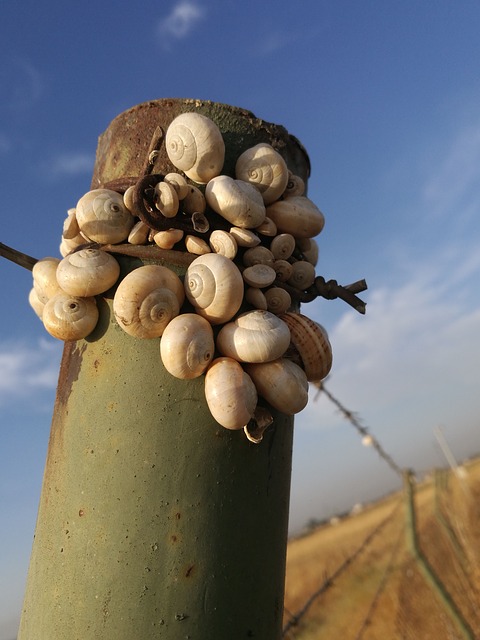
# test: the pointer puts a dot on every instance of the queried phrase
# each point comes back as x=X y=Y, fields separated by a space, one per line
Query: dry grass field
x=357 y=579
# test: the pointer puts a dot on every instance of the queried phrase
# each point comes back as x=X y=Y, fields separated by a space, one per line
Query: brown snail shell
x=238 y=202
x=147 y=299
x=282 y=383
x=230 y=393
x=254 y=336
x=69 y=317
x=311 y=346
x=195 y=145
x=87 y=272
x=265 y=168
x=214 y=286
x=298 y=216
x=187 y=346
x=103 y=217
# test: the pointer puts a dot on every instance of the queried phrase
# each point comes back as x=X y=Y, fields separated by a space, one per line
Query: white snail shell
x=230 y=393
x=87 y=272
x=224 y=243
x=282 y=383
x=214 y=286
x=255 y=336
x=147 y=299
x=166 y=199
x=256 y=298
x=235 y=200
x=312 y=349
x=69 y=317
x=302 y=276
x=283 y=269
x=70 y=225
x=245 y=237
x=128 y=198
x=194 y=201
x=195 y=145
x=265 y=168
x=298 y=216
x=196 y=245
x=168 y=239
x=44 y=274
x=139 y=233
x=259 y=275
x=35 y=302
x=282 y=246
x=187 y=346
x=258 y=255
x=309 y=249
x=278 y=300
x=267 y=228
x=103 y=217
x=295 y=186
x=179 y=183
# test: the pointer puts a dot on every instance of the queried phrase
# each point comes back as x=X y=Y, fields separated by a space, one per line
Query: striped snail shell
x=265 y=168
x=195 y=145
x=311 y=346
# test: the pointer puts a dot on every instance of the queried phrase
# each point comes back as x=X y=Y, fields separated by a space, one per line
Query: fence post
x=154 y=521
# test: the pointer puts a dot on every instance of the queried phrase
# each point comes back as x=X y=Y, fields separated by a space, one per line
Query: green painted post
x=154 y=521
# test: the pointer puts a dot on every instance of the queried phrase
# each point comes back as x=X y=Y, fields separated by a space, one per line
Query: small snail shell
x=44 y=274
x=278 y=300
x=256 y=298
x=282 y=383
x=179 y=183
x=139 y=233
x=224 y=243
x=87 y=272
x=147 y=299
x=35 y=302
x=302 y=276
x=196 y=245
x=166 y=199
x=128 y=198
x=168 y=239
x=265 y=168
x=70 y=226
x=259 y=275
x=214 y=286
x=230 y=393
x=69 y=317
x=309 y=249
x=238 y=202
x=282 y=246
x=312 y=349
x=267 y=228
x=68 y=245
x=298 y=216
x=295 y=186
x=194 y=201
x=187 y=346
x=283 y=269
x=245 y=237
x=255 y=336
x=103 y=217
x=258 y=255
x=195 y=145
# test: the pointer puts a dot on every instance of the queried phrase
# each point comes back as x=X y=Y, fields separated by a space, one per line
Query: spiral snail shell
x=87 y=272
x=237 y=201
x=265 y=168
x=195 y=145
x=103 y=217
x=147 y=299
x=230 y=393
x=44 y=274
x=282 y=383
x=255 y=336
x=187 y=346
x=311 y=346
x=69 y=317
x=214 y=286
x=298 y=216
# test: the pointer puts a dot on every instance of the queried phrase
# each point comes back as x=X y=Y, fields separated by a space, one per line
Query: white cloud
x=27 y=369
x=70 y=164
x=182 y=19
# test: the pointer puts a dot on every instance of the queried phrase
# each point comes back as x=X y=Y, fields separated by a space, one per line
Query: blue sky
x=385 y=97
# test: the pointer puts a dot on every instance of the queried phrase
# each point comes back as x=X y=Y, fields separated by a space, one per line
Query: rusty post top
x=122 y=148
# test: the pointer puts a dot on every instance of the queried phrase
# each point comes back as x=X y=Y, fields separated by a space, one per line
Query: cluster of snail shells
x=227 y=319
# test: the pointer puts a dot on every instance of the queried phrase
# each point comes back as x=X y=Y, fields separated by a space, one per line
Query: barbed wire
x=328 y=582
x=370 y=440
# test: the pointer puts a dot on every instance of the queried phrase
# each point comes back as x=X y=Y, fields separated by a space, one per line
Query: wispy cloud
x=22 y=84
x=26 y=369
x=69 y=165
x=180 y=22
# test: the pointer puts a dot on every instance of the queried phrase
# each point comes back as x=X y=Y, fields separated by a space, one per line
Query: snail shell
x=230 y=393
x=195 y=145
x=44 y=274
x=224 y=243
x=258 y=255
x=69 y=317
x=267 y=228
x=298 y=216
x=283 y=269
x=35 y=302
x=214 y=286
x=259 y=275
x=147 y=299
x=87 y=272
x=302 y=276
x=282 y=246
x=255 y=336
x=179 y=183
x=196 y=245
x=187 y=346
x=282 y=383
x=103 y=217
x=128 y=198
x=70 y=225
x=244 y=237
x=168 y=239
x=278 y=300
x=139 y=233
x=265 y=168
x=312 y=349
x=238 y=202
x=295 y=186
x=309 y=249
x=256 y=298
x=166 y=199
x=194 y=201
